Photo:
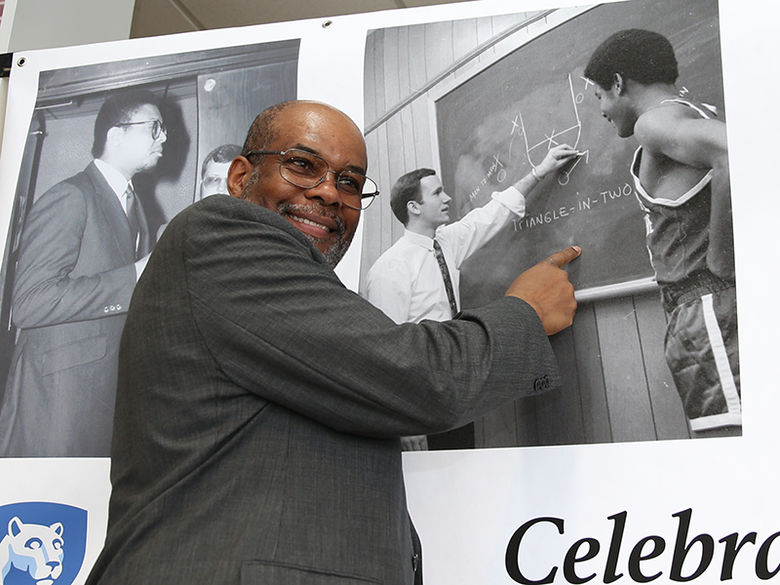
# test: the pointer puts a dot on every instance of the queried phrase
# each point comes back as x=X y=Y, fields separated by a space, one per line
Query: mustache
x=286 y=207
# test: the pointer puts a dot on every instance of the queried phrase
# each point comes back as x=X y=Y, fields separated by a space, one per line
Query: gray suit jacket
x=260 y=406
x=72 y=288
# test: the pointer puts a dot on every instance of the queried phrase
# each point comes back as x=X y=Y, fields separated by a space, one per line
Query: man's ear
x=238 y=174
x=618 y=84
x=114 y=137
x=413 y=207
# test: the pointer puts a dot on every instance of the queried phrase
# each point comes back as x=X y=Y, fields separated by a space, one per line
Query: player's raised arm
x=699 y=143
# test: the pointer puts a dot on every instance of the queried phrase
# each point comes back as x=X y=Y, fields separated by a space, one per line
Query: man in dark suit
x=84 y=244
x=261 y=403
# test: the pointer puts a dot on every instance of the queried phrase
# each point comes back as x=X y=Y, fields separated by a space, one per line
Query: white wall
x=45 y=24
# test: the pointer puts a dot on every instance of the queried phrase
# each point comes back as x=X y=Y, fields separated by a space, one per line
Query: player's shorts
x=702 y=354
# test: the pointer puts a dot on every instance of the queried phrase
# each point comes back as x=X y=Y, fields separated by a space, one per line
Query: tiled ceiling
x=159 y=17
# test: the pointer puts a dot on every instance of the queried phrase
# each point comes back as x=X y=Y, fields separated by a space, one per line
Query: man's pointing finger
x=562 y=258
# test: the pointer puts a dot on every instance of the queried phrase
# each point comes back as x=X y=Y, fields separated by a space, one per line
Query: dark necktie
x=445 y=274
x=131 y=206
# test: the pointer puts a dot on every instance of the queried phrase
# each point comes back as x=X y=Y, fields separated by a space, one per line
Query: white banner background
x=467 y=504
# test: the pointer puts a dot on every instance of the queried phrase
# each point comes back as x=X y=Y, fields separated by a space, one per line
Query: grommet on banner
x=327 y=23
x=5 y=64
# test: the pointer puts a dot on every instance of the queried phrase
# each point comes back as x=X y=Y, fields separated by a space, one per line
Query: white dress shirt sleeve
x=463 y=237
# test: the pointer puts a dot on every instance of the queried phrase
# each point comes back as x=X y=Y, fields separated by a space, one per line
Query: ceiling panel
x=159 y=17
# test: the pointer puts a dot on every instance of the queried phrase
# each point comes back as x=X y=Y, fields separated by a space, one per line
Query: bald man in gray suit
x=261 y=403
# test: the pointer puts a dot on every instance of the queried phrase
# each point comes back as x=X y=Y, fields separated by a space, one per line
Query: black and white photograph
x=114 y=151
x=504 y=139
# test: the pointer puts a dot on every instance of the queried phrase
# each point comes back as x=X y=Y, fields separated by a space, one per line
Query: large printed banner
x=604 y=481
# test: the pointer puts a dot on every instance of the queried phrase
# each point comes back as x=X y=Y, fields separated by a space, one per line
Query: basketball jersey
x=677 y=229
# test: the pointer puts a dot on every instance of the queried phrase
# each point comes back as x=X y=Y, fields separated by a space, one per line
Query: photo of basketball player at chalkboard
x=681 y=177
x=484 y=116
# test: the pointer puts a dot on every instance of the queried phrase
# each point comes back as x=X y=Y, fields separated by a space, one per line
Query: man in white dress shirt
x=409 y=281
x=84 y=244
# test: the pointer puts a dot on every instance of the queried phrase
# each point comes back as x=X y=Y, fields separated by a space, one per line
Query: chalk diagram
x=554 y=137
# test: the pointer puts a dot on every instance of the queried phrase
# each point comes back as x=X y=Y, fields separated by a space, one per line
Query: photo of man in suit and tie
x=260 y=402
x=84 y=244
x=418 y=277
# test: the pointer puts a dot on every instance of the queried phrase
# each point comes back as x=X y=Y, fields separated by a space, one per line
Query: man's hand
x=556 y=158
x=547 y=289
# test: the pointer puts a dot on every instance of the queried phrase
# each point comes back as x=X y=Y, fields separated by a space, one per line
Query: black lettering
x=762 y=559
x=636 y=556
x=730 y=553
x=513 y=549
x=572 y=558
x=681 y=549
x=614 y=547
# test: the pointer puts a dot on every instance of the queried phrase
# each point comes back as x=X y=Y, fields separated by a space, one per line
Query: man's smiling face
x=319 y=213
x=615 y=107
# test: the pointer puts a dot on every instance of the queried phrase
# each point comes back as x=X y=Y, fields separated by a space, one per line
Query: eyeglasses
x=158 y=127
x=307 y=170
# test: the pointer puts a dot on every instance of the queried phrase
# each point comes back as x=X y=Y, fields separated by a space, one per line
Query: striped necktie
x=131 y=209
x=445 y=274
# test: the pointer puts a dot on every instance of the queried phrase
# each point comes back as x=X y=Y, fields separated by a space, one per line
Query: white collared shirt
x=406 y=282
x=118 y=184
x=115 y=180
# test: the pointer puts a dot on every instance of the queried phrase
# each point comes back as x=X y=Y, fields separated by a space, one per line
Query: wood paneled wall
x=616 y=383
x=402 y=63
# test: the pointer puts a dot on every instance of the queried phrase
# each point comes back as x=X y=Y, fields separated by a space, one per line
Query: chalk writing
x=585 y=205
x=536 y=150
x=496 y=168
x=552 y=137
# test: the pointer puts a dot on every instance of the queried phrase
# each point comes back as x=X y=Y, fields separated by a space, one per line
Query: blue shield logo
x=41 y=543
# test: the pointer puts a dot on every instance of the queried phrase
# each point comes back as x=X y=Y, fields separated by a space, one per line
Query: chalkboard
x=492 y=126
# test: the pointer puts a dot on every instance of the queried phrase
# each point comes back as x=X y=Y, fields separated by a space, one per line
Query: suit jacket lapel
x=108 y=204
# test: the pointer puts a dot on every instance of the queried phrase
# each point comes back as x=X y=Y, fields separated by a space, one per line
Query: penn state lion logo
x=35 y=549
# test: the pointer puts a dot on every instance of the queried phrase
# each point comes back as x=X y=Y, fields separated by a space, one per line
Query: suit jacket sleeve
x=52 y=285
x=279 y=323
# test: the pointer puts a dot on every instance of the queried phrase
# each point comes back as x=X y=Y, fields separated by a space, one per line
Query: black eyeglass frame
x=158 y=127
x=338 y=174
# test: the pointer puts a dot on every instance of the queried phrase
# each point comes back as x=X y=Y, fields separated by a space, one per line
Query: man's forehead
x=145 y=111
x=310 y=117
x=317 y=127
x=430 y=184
